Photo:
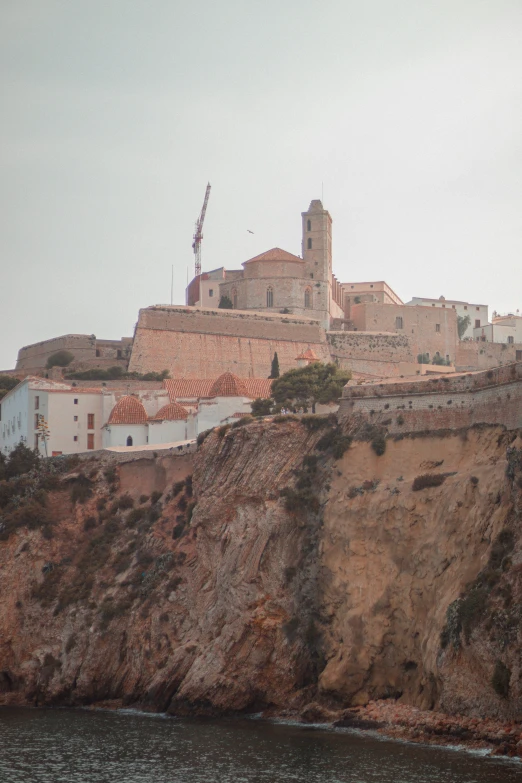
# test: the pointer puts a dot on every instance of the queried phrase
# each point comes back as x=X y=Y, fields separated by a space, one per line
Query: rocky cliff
x=284 y=563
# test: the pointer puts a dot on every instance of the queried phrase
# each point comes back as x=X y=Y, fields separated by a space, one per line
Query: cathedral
x=279 y=282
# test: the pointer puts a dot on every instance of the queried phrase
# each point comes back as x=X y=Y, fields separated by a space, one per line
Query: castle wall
x=472 y=355
x=87 y=350
x=371 y=352
x=194 y=343
x=492 y=397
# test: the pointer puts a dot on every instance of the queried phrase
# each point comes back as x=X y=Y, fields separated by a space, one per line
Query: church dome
x=128 y=410
x=171 y=412
x=275 y=254
x=228 y=385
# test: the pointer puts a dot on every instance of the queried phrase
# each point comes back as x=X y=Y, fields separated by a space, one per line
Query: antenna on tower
x=198 y=234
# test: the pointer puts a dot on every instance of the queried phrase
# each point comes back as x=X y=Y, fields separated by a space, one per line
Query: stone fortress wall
x=193 y=343
x=88 y=352
x=451 y=402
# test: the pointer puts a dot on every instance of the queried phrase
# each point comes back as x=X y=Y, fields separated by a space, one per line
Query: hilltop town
x=217 y=350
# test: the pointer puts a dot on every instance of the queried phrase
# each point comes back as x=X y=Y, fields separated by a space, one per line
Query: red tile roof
x=198 y=388
x=275 y=254
x=128 y=410
x=171 y=412
x=309 y=355
x=228 y=385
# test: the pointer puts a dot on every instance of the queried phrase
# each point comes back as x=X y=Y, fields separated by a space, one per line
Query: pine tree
x=274 y=372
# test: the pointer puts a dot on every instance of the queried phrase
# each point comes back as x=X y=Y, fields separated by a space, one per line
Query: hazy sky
x=116 y=113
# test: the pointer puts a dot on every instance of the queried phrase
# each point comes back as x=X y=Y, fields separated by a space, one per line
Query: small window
x=518 y=356
x=76 y=400
x=36 y=420
x=433 y=305
x=351 y=286
x=447 y=357
x=211 y=292
x=477 y=309
x=444 y=305
x=118 y=354
x=37 y=403
x=437 y=327
x=398 y=322
x=90 y=421
x=465 y=307
x=36 y=442
x=453 y=306
x=477 y=323
x=75 y=418
x=90 y=440
x=309 y=243
x=269 y=297
x=308 y=298
x=308 y=225
x=75 y=438
x=129 y=440
x=371 y=286
x=511 y=339
x=234 y=298
x=98 y=353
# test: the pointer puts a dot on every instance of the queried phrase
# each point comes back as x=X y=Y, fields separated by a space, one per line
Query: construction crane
x=198 y=233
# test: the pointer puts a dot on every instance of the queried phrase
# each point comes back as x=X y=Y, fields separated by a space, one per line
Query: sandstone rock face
x=218 y=592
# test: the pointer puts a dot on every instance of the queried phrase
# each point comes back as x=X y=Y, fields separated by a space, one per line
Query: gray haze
x=115 y=113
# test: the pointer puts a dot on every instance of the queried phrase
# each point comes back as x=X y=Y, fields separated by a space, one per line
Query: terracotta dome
x=171 y=412
x=128 y=410
x=228 y=385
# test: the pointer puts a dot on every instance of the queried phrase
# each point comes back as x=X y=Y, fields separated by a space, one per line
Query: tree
x=21 y=460
x=463 y=321
x=316 y=383
x=7 y=382
x=274 y=372
x=261 y=407
x=59 y=359
x=225 y=303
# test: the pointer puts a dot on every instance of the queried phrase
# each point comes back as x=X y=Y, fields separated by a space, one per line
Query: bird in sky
x=250 y=232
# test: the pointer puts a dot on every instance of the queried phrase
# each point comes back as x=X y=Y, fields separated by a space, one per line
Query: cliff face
x=263 y=572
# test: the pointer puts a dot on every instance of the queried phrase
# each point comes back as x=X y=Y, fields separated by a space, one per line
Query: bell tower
x=317 y=242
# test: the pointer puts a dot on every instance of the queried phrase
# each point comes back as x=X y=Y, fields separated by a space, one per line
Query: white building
x=478 y=313
x=503 y=329
x=73 y=417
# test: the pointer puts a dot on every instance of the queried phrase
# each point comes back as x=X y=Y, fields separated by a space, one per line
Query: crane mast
x=198 y=233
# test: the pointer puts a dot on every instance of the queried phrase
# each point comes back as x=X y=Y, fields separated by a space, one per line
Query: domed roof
x=275 y=254
x=128 y=410
x=171 y=412
x=228 y=385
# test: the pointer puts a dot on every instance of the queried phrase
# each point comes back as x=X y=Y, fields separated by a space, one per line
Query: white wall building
x=503 y=329
x=73 y=416
x=478 y=313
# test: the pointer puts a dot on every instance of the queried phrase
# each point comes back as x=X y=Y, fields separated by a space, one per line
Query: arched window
x=269 y=297
x=234 y=298
x=308 y=225
x=308 y=297
x=129 y=440
x=309 y=243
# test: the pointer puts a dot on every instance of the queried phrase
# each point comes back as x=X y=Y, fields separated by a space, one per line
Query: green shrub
x=242 y=421
x=178 y=487
x=135 y=516
x=222 y=431
x=155 y=496
x=81 y=489
x=315 y=422
x=202 y=437
x=428 y=480
x=125 y=502
x=501 y=679
x=89 y=523
x=261 y=406
x=144 y=498
x=300 y=500
x=60 y=359
x=378 y=443
x=111 y=474
x=310 y=463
